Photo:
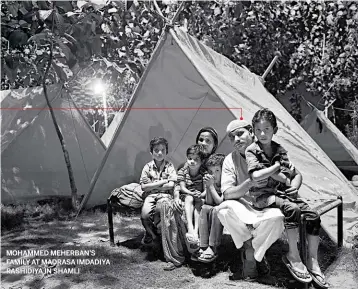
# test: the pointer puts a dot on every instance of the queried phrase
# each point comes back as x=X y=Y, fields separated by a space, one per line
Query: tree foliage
x=317 y=39
x=85 y=32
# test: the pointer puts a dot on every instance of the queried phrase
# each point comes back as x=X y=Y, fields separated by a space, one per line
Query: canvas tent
x=341 y=151
x=111 y=129
x=32 y=161
x=187 y=86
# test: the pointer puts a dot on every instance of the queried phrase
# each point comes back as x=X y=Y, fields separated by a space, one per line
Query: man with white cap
x=237 y=215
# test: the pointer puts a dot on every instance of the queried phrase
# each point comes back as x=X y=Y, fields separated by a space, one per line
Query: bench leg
x=340 y=223
x=110 y=222
x=303 y=243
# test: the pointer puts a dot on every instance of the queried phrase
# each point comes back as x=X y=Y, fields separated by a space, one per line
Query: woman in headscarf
x=173 y=226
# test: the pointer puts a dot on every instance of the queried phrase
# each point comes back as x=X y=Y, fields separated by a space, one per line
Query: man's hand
x=292 y=192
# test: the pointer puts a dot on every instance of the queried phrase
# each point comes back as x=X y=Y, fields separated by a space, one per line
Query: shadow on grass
x=134 y=243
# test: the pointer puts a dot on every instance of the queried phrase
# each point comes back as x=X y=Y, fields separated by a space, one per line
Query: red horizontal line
x=121 y=109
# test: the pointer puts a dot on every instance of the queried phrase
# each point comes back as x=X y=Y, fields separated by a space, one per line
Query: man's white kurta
x=235 y=215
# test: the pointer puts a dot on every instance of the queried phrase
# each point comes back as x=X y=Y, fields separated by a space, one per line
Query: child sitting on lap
x=190 y=179
x=157 y=181
x=210 y=228
x=275 y=177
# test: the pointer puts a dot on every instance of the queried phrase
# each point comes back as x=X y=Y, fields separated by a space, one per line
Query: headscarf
x=213 y=133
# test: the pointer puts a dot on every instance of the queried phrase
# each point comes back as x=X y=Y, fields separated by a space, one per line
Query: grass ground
x=131 y=267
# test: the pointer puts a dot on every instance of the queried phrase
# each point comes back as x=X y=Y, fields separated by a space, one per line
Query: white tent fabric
x=341 y=151
x=187 y=86
x=32 y=161
x=111 y=129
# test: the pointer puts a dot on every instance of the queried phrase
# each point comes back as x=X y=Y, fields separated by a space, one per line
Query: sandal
x=192 y=243
x=207 y=257
x=171 y=266
x=196 y=255
x=299 y=276
x=321 y=282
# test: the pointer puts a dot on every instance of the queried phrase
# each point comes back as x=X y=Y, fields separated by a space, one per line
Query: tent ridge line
x=119 y=128
x=173 y=34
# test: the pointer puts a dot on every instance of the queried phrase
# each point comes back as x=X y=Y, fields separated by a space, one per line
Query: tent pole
x=159 y=11
x=119 y=128
x=177 y=13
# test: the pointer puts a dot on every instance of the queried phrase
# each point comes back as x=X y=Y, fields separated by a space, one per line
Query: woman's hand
x=292 y=192
x=197 y=194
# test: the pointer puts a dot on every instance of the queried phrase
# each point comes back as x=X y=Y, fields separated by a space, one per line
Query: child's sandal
x=196 y=255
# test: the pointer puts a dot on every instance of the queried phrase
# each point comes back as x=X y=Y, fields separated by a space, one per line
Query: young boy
x=210 y=228
x=268 y=166
x=157 y=181
x=190 y=179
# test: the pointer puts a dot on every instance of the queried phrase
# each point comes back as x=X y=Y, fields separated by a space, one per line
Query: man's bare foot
x=312 y=265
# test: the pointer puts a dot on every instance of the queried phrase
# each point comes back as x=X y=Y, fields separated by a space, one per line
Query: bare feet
x=297 y=263
x=312 y=265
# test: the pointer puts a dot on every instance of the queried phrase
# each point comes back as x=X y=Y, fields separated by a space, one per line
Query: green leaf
x=24 y=24
x=66 y=6
x=64 y=49
x=217 y=11
x=59 y=23
x=62 y=70
x=93 y=27
x=44 y=14
x=96 y=45
x=70 y=38
x=9 y=72
x=18 y=38
x=38 y=37
x=26 y=81
x=13 y=9
x=138 y=52
x=23 y=11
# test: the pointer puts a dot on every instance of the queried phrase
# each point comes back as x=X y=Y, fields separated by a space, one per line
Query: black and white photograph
x=179 y=144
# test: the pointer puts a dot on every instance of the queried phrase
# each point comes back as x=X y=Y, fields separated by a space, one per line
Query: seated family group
x=252 y=193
